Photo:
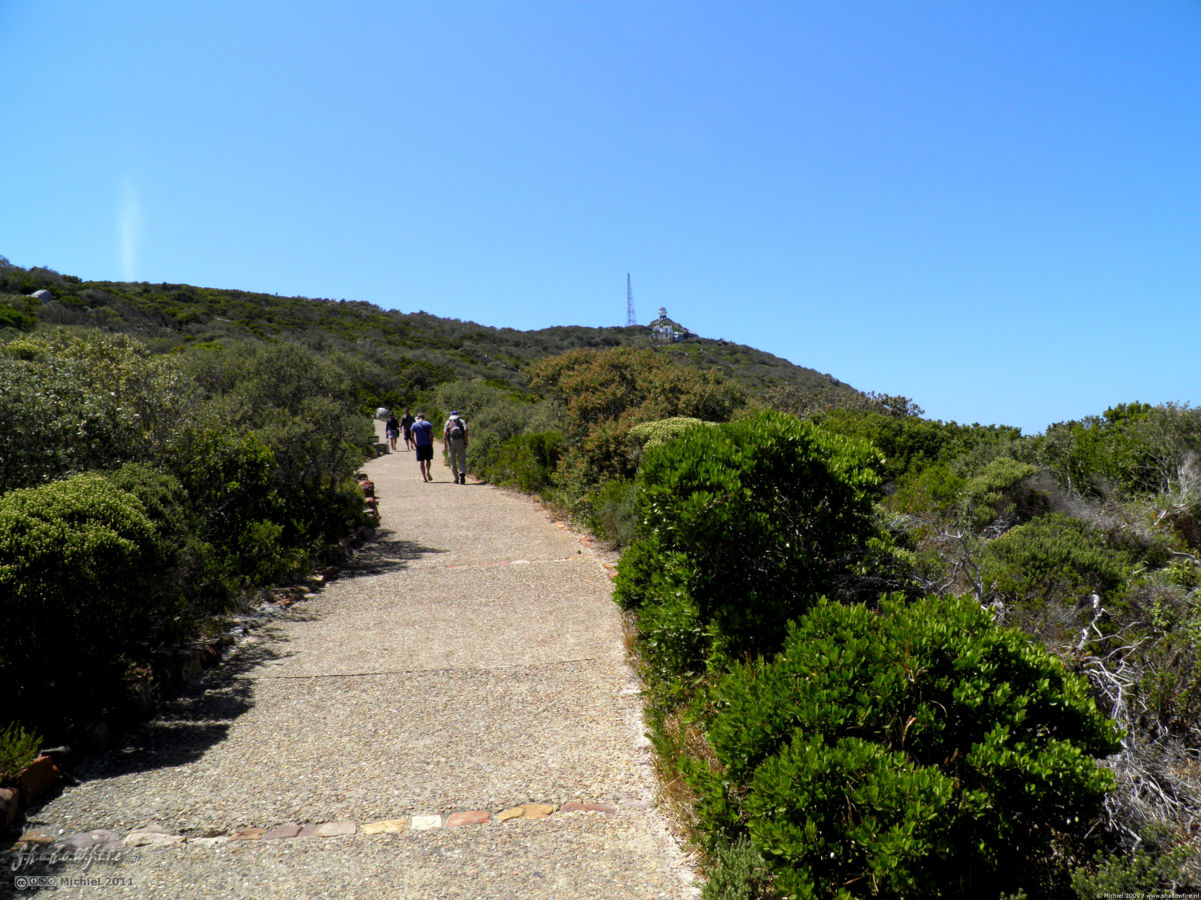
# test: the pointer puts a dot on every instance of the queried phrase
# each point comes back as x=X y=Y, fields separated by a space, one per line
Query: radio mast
x=631 y=319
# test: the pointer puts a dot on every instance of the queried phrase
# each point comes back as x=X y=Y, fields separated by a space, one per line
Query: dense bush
x=69 y=403
x=18 y=748
x=739 y=529
x=79 y=559
x=1054 y=558
x=268 y=458
x=18 y=312
x=915 y=751
x=909 y=443
x=604 y=394
x=1001 y=494
x=649 y=435
x=228 y=479
x=614 y=511
x=527 y=461
x=227 y=467
x=930 y=495
x=739 y=872
x=1131 y=448
x=178 y=586
x=1150 y=871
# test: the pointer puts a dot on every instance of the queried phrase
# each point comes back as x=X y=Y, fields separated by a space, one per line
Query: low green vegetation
x=18 y=748
x=915 y=750
x=142 y=494
x=884 y=656
x=837 y=741
x=768 y=509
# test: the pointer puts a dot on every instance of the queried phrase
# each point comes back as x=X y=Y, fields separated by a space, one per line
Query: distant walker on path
x=454 y=435
x=423 y=438
x=406 y=422
x=392 y=430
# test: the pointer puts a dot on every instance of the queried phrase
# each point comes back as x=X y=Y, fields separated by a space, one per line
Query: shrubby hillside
x=912 y=702
x=884 y=656
x=419 y=349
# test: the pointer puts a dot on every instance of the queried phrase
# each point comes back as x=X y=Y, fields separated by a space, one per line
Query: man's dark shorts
x=425 y=452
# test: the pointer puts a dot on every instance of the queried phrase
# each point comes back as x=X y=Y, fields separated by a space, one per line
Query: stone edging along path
x=39 y=843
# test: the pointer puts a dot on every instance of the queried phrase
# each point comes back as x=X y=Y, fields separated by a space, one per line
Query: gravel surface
x=469 y=658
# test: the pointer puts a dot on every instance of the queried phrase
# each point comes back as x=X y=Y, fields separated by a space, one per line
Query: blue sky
x=992 y=208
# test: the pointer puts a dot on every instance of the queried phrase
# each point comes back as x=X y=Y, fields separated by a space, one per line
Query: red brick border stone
x=471 y=817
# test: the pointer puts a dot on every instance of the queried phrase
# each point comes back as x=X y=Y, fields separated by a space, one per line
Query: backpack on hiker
x=458 y=430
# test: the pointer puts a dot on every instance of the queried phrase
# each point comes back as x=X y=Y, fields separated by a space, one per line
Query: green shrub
x=163 y=501
x=917 y=751
x=1150 y=871
x=909 y=443
x=649 y=435
x=78 y=563
x=751 y=521
x=180 y=594
x=1002 y=492
x=905 y=443
x=281 y=422
x=675 y=641
x=1131 y=448
x=739 y=873
x=18 y=748
x=18 y=312
x=527 y=461
x=931 y=493
x=229 y=482
x=265 y=557
x=1054 y=558
x=603 y=394
x=1184 y=573
x=69 y=403
x=614 y=511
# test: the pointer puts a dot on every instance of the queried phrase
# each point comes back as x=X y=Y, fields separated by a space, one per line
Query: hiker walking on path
x=454 y=436
x=392 y=430
x=406 y=423
x=423 y=439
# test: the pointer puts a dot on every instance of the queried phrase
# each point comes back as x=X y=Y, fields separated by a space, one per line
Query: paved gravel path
x=452 y=717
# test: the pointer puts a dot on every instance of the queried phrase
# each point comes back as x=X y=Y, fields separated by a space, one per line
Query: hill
x=167 y=316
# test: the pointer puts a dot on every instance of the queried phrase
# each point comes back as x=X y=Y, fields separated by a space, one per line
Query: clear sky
x=993 y=208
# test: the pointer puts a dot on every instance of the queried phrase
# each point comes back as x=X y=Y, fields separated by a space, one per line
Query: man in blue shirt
x=423 y=439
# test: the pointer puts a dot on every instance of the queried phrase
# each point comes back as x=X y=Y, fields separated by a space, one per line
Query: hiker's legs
x=424 y=455
x=457 y=450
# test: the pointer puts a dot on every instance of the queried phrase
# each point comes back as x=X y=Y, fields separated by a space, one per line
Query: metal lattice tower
x=631 y=319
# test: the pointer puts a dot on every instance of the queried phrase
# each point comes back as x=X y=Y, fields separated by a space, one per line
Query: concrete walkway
x=452 y=717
